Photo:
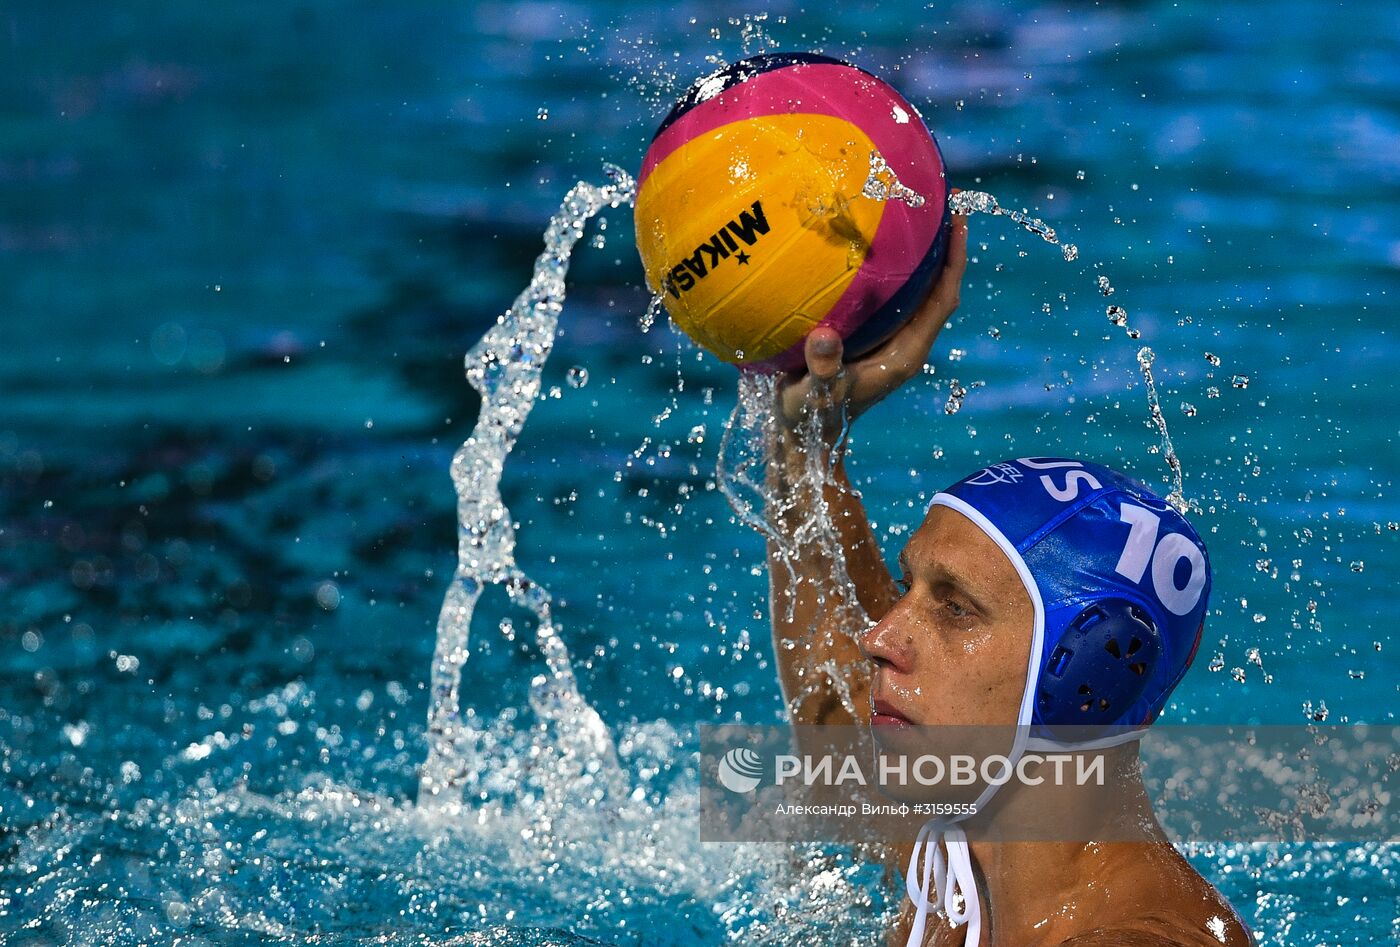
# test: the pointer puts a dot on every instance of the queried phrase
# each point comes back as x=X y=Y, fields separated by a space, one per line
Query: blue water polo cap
x=1118 y=578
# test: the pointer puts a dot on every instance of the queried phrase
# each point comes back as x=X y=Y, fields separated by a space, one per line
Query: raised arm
x=821 y=592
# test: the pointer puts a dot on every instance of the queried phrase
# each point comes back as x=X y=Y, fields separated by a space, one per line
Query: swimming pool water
x=243 y=253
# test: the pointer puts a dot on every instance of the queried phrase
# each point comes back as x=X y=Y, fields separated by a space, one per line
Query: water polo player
x=792 y=209
x=1036 y=591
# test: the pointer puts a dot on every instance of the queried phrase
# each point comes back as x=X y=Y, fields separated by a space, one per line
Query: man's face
x=954 y=649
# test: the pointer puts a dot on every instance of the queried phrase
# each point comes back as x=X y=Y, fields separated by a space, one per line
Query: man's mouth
x=887 y=715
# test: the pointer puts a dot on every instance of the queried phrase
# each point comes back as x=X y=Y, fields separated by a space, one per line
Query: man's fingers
x=907 y=351
x=873 y=376
x=951 y=280
x=915 y=340
x=823 y=351
x=947 y=291
x=821 y=385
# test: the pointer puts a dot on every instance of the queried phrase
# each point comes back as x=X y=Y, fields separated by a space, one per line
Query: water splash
x=536 y=780
x=505 y=367
x=883 y=184
x=1119 y=317
x=957 y=392
x=970 y=202
x=754 y=34
x=654 y=309
x=980 y=202
x=808 y=531
x=742 y=466
x=1175 y=496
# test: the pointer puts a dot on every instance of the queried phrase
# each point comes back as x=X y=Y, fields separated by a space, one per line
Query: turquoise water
x=243 y=252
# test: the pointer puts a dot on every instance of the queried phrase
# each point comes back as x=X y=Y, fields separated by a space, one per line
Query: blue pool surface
x=243 y=250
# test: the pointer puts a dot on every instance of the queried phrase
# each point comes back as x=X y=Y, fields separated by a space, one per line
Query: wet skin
x=950 y=646
x=962 y=622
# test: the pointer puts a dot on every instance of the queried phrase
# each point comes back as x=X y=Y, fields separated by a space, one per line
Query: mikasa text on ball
x=751 y=220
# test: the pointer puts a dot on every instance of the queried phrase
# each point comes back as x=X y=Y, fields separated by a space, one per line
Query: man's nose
x=889 y=643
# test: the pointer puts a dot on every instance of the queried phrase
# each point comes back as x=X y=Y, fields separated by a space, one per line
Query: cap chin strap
x=953 y=881
x=941 y=855
x=1048 y=745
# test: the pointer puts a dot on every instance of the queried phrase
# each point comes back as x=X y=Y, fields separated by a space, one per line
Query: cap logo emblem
x=997 y=473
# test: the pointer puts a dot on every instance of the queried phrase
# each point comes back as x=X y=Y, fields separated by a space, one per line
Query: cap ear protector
x=1101 y=665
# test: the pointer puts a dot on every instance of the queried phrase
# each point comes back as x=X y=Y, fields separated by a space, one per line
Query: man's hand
x=829 y=384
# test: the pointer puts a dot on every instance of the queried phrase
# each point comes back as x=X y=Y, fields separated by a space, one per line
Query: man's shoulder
x=1166 y=932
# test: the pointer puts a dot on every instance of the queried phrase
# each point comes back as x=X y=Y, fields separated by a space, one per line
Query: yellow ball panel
x=754 y=230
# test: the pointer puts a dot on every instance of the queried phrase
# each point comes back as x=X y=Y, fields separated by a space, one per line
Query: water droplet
x=1318 y=712
x=1079 y=175
x=328 y=595
x=542 y=115
x=1358 y=565
x=956 y=394
x=1213 y=359
x=1239 y=381
x=576 y=376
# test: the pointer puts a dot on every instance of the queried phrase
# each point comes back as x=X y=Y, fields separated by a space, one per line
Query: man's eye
x=955 y=608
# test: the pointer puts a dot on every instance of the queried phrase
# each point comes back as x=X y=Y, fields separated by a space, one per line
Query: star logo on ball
x=743 y=258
